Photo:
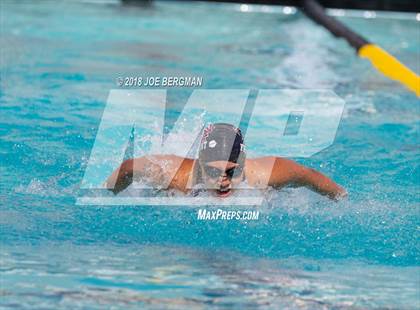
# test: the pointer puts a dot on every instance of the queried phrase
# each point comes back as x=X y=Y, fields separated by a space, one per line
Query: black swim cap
x=222 y=141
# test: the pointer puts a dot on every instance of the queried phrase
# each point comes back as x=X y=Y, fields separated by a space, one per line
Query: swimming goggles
x=215 y=173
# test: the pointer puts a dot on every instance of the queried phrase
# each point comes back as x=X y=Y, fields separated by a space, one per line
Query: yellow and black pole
x=380 y=59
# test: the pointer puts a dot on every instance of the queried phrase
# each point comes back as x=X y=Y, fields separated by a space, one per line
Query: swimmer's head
x=222 y=157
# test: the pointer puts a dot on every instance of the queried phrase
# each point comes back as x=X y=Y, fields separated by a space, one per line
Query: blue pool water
x=58 y=64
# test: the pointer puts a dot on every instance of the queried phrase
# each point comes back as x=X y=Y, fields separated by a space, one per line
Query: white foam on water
x=38 y=187
x=310 y=64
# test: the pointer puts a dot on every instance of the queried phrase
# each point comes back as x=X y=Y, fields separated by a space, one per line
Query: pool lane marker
x=385 y=63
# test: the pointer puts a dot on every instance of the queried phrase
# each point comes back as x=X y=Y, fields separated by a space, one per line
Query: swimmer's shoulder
x=259 y=170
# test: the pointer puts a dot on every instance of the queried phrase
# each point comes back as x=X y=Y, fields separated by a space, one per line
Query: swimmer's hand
x=121 y=178
x=340 y=194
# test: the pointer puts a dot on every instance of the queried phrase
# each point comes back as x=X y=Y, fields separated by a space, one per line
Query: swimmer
x=221 y=166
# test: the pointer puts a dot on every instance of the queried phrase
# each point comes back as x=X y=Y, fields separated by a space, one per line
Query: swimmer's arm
x=155 y=170
x=147 y=169
x=299 y=175
x=122 y=177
